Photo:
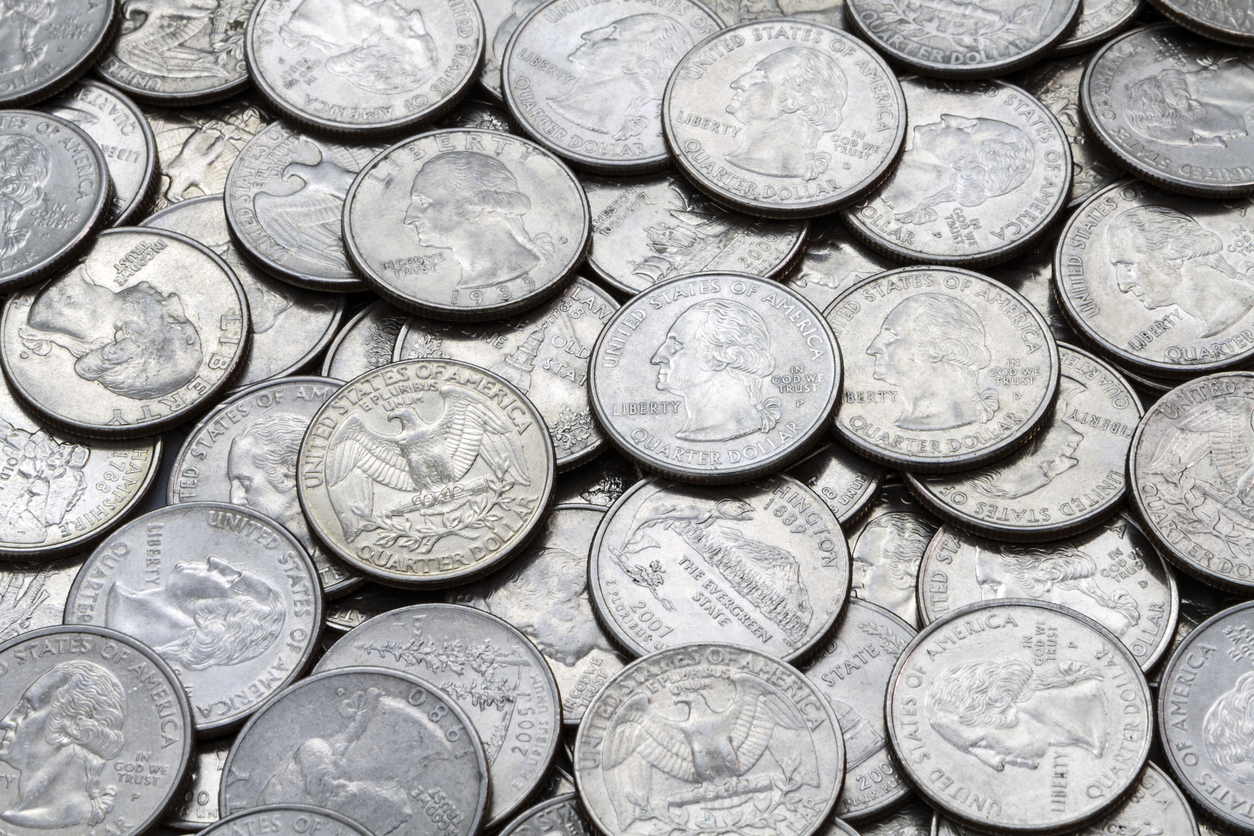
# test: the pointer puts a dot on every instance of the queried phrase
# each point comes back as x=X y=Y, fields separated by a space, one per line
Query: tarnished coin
x=985 y=171
x=1189 y=472
x=586 y=80
x=544 y=352
x=364 y=68
x=763 y=565
x=228 y=598
x=1111 y=573
x=32 y=596
x=1069 y=477
x=749 y=371
x=747 y=739
x=914 y=818
x=466 y=224
x=832 y=262
x=845 y=481
x=45 y=46
x=852 y=671
x=1031 y=275
x=887 y=547
x=179 y=52
x=245 y=453
x=287 y=820
x=285 y=200
x=426 y=473
x=125 y=138
x=489 y=669
x=139 y=336
x=1175 y=110
x=561 y=816
x=600 y=482
x=1230 y=21
x=289 y=326
x=784 y=120
x=385 y=747
x=366 y=342
x=1099 y=21
x=544 y=594
x=1160 y=282
x=56 y=191
x=200 y=800
x=1019 y=717
x=962 y=369
x=96 y=728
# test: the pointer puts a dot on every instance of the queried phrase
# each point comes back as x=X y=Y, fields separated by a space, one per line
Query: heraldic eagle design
x=1220 y=433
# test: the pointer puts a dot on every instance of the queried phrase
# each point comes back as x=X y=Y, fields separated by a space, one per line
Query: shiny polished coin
x=383 y=746
x=748 y=739
x=426 y=473
x=748 y=370
x=561 y=816
x=600 y=482
x=763 y=565
x=1099 y=21
x=45 y=46
x=846 y=482
x=886 y=546
x=544 y=352
x=466 y=225
x=1069 y=477
x=1230 y=21
x=366 y=342
x=544 y=594
x=489 y=669
x=363 y=68
x=832 y=262
x=784 y=121
x=57 y=192
x=988 y=704
x=245 y=453
x=961 y=369
x=200 y=799
x=1031 y=275
x=586 y=81
x=852 y=671
x=32 y=595
x=140 y=335
x=1112 y=574
x=1173 y=108
x=287 y=820
x=986 y=169
x=649 y=229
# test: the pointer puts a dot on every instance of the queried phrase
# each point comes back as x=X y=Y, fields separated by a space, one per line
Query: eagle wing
x=356 y=447
x=1209 y=428
x=156 y=47
x=637 y=730
x=304 y=223
x=765 y=721
x=469 y=427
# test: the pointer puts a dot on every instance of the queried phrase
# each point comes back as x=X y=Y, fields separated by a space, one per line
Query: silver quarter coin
x=784 y=120
x=887 y=547
x=1031 y=275
x=914 y=818
x=285 y=200
x=1112 y=574
x=1099 y=21
x=501 y=20
x=756 y=408
x=1230 y=21
x=32 y=596
x=366 y=342
x=1173 y=108
x=426 y=473
x=500 y=224
x=544 y=352
x=833 y=261
x=362 y=68
x=846 y=482
x=489 y=669
x=139 y=336
x=46 y=46
x=1019 y=717
x=200 y=799
x=984 y=173
x=125 y=138
x=852 y=671
x=649 y=229
x=95 y=729
x=478 y=114
x=289 y=326
x=544 y=594
x=763 y=565
x=962 y=369
x=287 y=820
x=1198 y=602
x=60 y=193
x=751 y=746
x=245 y=453
x=830 y=12
x=384 y=746
x=586 y=81
x=600 y=482
x=371 y=599
x=559 y=782
x=561 y=816
x=228 y=598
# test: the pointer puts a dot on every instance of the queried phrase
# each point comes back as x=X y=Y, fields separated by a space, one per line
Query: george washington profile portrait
x=23 y=174
x=1210 y=105
x=1228 y=731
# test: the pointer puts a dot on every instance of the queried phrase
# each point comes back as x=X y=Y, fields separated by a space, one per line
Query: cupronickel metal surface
x=45 y=46
x=366 y=342
x=1031 y=275
x=287 y=820
x=914 y=818
x=887 y=546
x=1230 y=21
x=199 y=808
x=1099 y=21
x=832 y=262
x=561 y=816
x=32 y=596
x=599 y=482
x=846 y=482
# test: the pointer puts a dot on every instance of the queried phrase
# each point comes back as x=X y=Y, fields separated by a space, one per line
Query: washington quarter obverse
x=1031 y=275
x=1069 y=698
x=384 y=746
x=466 y=224
x=846 y=482
x=586 y=81
x=1198 y=602
x=45 y=46
x=560 y=816
x=752 y=747
x=366 y=342
x=32 y=596
x=784 y=120
x=200 y=800
x=962 y=369
x=985 y=171
x=362 y=68
x=493 y=673
x=832 y=262
x=886 y=546
x=748 y=372
x=763 y=565
x=426 y=473
x=1174 y=109
x=1230 y=21
x=287 y=820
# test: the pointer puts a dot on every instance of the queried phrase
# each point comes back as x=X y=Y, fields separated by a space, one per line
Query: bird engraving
x=180 y=40
x=1215 y=444
x=306 y=222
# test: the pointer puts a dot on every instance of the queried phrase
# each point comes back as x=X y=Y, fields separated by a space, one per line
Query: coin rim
x=211 y=829
x=54 y=85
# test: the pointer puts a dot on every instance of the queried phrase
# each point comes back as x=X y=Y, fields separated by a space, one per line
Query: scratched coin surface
x=784 y=119
x=365 y=342
x=199 y=808
x=1019 y=717
x=845 y=481
x=762 y=564
x=961 y=369
x=44 y=46
x=747 y=368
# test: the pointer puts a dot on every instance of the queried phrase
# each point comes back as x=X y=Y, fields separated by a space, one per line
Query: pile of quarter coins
x=686 y=418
